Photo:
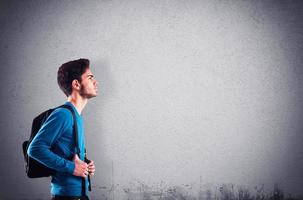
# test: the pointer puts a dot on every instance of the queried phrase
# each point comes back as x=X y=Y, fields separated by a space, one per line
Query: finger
x=81 y=174
x=84 y=174
x=91 y=167
x=84 y=170
x=84 y=166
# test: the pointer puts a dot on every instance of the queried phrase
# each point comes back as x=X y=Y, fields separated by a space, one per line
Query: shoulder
x=62 y=114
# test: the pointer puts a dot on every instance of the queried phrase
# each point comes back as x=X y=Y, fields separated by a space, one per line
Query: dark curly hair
x=70 y=71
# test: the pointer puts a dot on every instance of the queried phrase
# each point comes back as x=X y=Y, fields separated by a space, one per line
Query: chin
x=89 y=96
x=93 y=95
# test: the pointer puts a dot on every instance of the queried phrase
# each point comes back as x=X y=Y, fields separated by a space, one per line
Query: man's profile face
x=89 y=86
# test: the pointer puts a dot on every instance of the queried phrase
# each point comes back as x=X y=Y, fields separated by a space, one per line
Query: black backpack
x=33 y=168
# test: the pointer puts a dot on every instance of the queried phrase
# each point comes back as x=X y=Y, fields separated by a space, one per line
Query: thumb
x=76 y=157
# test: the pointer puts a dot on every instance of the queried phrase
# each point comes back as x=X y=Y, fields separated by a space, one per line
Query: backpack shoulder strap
x=75 y=127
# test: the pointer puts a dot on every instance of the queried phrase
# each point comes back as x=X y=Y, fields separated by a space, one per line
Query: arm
x=40 y=147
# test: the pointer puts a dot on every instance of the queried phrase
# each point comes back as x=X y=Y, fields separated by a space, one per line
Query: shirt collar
x=74 y=108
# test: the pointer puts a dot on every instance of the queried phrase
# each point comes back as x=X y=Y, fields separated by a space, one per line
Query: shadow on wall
x=94 y=129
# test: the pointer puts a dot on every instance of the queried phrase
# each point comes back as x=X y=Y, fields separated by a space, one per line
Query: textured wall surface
x=196 y=97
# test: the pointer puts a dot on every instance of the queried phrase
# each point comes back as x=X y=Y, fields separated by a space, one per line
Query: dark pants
x=69 y=198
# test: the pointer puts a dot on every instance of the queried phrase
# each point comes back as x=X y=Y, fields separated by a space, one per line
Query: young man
x=54 y=144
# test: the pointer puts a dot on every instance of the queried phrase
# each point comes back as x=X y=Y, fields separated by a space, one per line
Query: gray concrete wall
x=193 y=94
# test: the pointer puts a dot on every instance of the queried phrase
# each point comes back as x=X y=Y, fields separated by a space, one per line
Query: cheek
x=92 y=84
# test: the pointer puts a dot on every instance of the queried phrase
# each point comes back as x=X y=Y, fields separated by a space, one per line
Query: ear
x=76 y=84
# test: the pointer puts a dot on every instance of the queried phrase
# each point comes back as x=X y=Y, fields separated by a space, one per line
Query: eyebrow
x=88 y=76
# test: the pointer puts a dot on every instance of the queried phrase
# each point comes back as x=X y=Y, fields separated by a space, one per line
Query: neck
x=78 y=101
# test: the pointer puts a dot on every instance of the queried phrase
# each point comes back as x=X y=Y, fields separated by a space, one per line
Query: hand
x=81 y=168
x=91 y=168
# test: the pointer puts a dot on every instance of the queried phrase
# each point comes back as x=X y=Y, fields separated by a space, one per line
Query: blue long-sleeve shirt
x=54 y=146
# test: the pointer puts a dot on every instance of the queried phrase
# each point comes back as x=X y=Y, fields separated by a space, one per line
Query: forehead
x=87 y=72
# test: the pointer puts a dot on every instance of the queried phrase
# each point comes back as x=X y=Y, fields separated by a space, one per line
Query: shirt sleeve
x=40 y=147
